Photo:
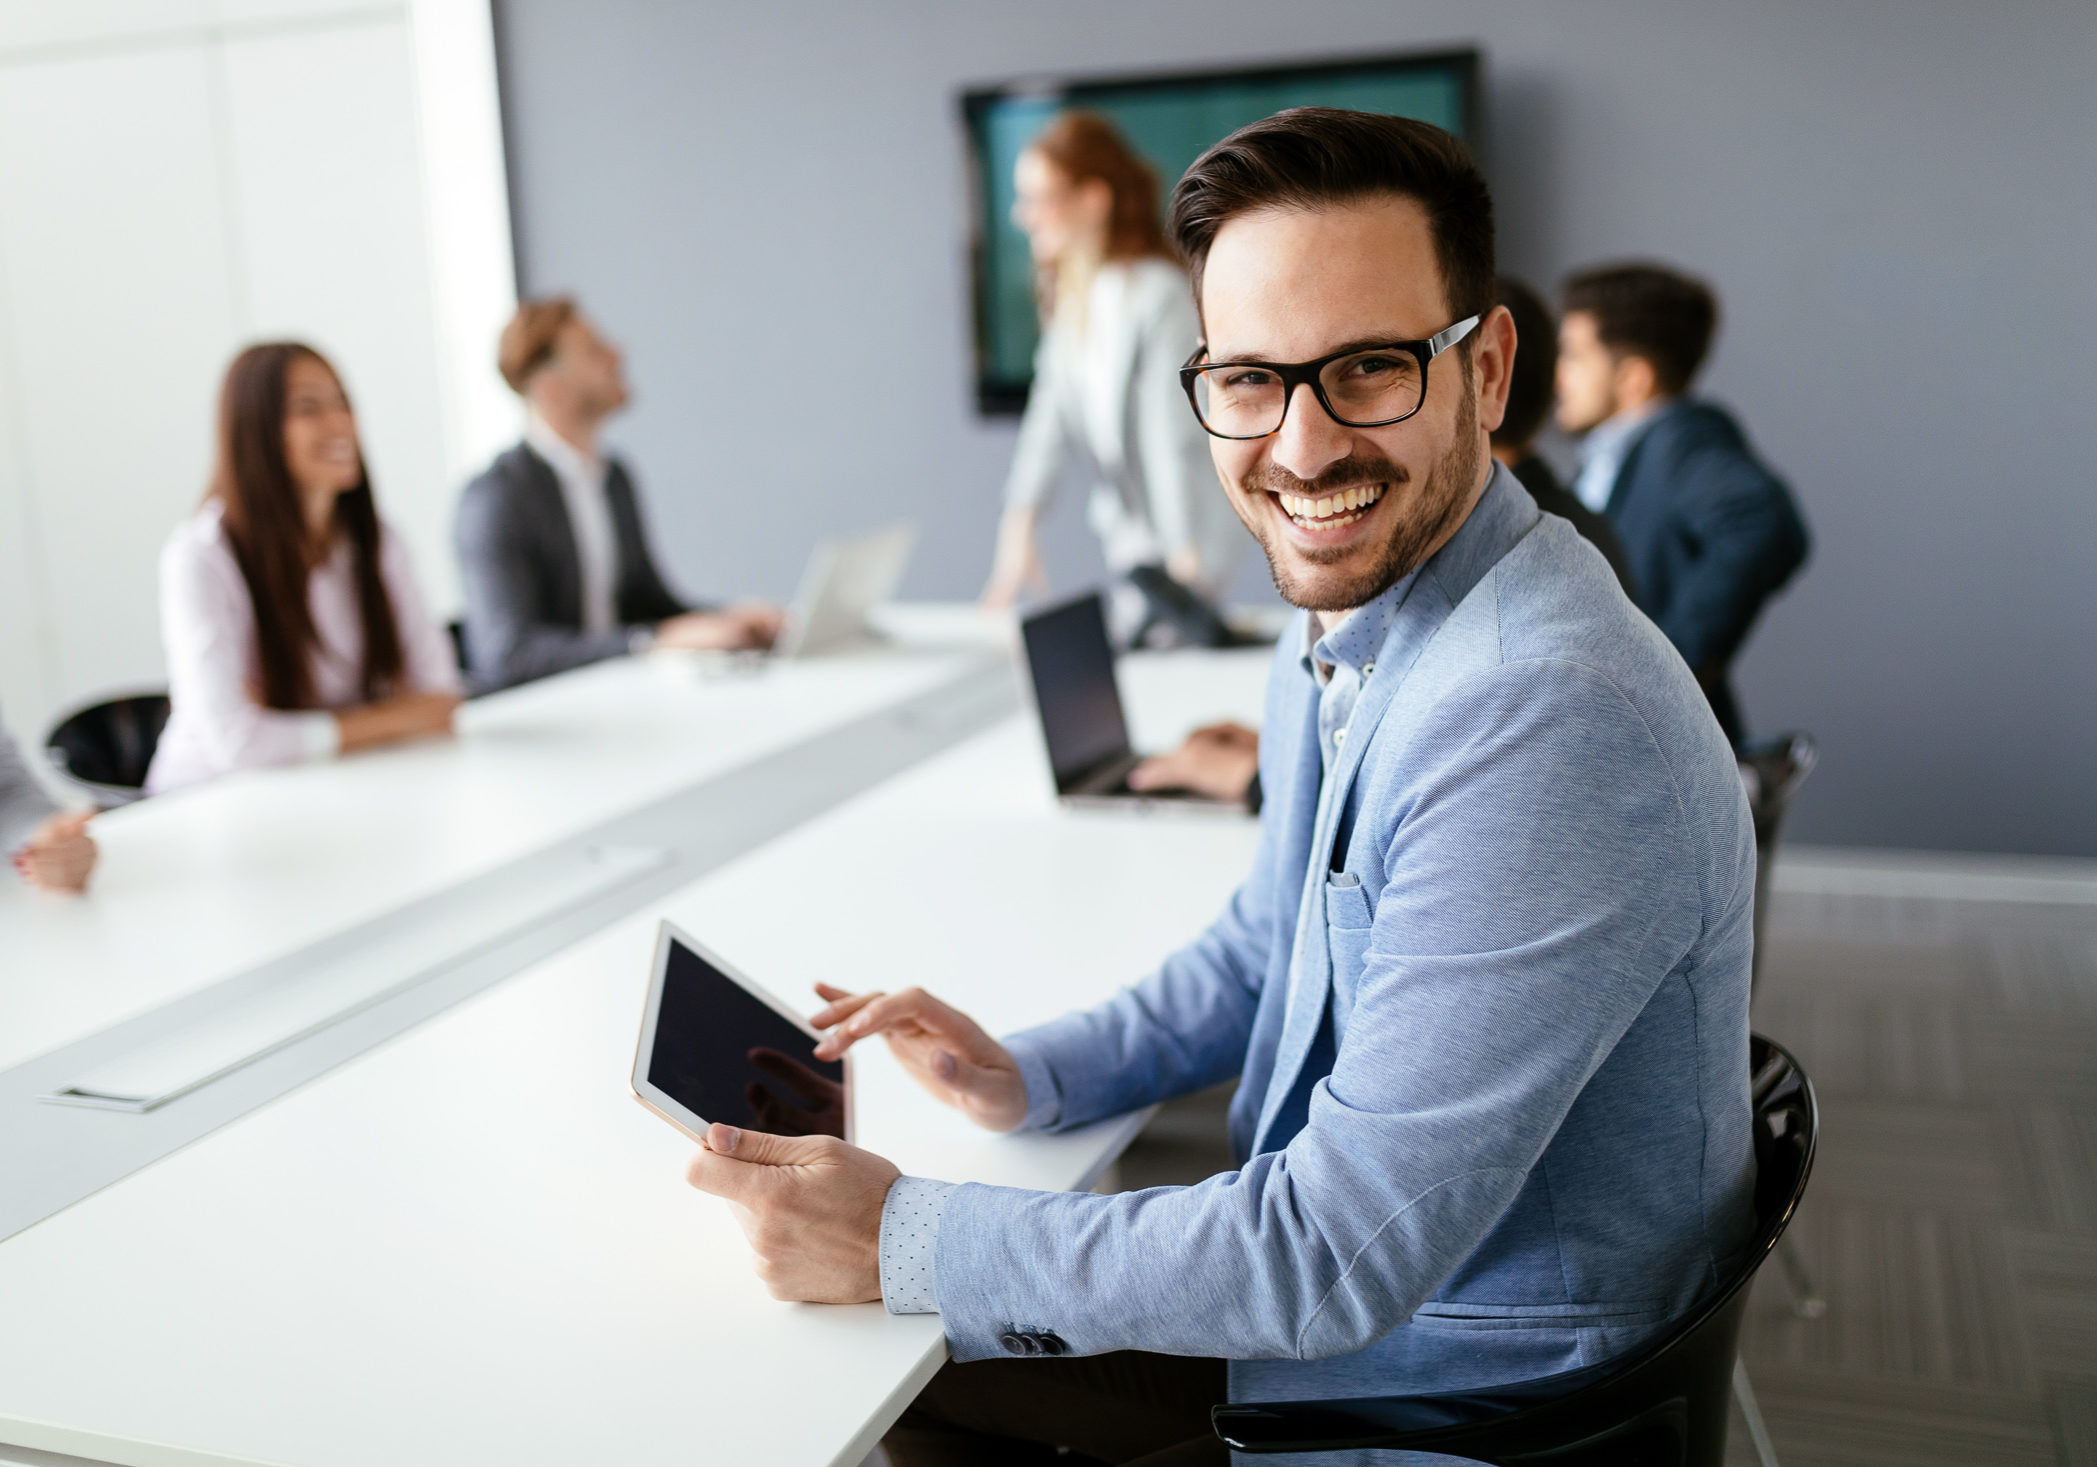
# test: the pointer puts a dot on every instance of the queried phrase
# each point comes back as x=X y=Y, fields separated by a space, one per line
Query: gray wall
x=1897 y=198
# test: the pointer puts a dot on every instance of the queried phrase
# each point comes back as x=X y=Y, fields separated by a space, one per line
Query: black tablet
x=717 y=1047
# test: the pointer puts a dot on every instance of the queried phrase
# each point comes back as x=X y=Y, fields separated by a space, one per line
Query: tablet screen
x=726 y=1055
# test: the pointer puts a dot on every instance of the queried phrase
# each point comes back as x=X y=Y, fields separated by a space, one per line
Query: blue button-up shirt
x=1343 y=659
x=1340 y=662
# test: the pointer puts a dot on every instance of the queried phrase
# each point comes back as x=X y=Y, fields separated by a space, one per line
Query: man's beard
x=1440 y=508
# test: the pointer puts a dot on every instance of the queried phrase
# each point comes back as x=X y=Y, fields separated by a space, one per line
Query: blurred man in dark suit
x=1529 y=390
x=553 y=552
x=1710 y=531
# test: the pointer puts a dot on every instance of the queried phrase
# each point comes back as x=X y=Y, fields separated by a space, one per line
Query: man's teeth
x=1342 y=508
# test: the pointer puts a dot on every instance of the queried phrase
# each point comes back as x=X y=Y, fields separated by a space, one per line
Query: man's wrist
x=640 y=641
x=910 y=1244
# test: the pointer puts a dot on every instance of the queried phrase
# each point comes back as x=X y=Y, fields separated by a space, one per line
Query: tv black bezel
x=1000 y=398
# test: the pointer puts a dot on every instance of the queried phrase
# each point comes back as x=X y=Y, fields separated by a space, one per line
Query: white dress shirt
x=581 y=477
x=207 y=622
x=1603 y=451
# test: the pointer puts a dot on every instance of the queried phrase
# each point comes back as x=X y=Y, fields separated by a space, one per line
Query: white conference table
x=227 y=875
x=471 y=1245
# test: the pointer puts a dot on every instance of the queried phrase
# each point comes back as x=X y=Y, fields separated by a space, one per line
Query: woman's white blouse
x=207 y=622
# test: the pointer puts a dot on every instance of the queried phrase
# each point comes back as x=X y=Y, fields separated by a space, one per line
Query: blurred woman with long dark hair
x=293 y=625
x=1118 y=322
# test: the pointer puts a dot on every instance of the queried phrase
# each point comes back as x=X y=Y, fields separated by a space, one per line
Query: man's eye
x=1375 y=366
x=1246 y=378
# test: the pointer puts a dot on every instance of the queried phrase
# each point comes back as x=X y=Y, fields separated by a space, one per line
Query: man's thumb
x=762 y=1148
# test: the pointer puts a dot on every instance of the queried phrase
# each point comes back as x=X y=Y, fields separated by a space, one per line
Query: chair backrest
x=104 y=750
x=1664 y=1403
x=1772 y=772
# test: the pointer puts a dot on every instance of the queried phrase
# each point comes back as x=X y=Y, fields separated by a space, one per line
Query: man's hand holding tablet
x=811 y=1205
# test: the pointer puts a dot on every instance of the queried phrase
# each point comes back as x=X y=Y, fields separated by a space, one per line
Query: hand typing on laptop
x=1218 y=761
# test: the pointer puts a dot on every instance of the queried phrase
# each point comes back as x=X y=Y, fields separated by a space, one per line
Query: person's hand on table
x=811 y=1205
x=59 y=854
x=745 y=626
x=1218 y=761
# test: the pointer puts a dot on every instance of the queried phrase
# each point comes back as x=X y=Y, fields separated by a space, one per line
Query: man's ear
x=1492 y=366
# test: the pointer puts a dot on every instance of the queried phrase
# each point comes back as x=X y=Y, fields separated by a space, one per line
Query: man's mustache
x=1274 y=479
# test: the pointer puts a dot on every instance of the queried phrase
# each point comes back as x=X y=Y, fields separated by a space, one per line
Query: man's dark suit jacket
x=523 y=578
x=1711 y=534
x=1553 y=497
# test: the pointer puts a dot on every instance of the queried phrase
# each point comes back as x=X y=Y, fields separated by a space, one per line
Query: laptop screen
x=1073 y=670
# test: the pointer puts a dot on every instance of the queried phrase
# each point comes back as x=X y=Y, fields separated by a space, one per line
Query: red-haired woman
x=1118 y=324
x=293 y=625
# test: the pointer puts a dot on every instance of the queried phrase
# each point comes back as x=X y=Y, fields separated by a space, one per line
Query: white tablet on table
x=717 y=1047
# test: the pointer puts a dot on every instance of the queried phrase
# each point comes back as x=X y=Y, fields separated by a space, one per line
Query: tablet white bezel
x=644 y=1048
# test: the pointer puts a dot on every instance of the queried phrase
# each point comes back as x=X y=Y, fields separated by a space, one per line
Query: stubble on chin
x=1441 y=506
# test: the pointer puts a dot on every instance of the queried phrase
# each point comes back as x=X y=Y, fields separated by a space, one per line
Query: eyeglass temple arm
x=1441 y=341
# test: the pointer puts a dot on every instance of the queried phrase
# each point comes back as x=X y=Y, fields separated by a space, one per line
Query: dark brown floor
x=1951 y=1222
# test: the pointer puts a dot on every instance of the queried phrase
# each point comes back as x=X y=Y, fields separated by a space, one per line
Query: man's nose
x=1309 y=442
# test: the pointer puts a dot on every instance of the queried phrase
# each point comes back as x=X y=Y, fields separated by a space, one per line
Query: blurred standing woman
x=1118 y=322
x=293 y=625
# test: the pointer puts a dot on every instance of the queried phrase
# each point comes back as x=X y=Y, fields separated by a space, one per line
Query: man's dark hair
x=1320 y=157
x=1648 y=311
x=1529 y=381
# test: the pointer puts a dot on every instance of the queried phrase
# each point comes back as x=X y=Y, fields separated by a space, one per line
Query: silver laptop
x=1070 y=668
x=845 y=580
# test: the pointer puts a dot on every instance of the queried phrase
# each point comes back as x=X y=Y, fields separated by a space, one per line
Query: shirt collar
x=1354 y=642
x=1612 y=436
x=1503 y=515
x=567 y=460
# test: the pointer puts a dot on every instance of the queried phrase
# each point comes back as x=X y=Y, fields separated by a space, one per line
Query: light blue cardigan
x=1500 y=1126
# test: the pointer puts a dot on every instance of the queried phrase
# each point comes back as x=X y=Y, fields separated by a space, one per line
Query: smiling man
x=1485 y=988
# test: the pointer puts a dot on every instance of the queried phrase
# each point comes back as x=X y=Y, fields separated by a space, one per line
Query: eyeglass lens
x=1240 y=400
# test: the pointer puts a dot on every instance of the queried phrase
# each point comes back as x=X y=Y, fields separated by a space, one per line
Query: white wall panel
x=119 y=313
x=26 y=684
x=327 y=194
x=50 y=23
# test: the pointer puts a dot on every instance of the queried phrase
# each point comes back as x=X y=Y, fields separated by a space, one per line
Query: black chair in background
x=105 y=749
x=456 y=630
x=1771 y=771
x=1663 y=1405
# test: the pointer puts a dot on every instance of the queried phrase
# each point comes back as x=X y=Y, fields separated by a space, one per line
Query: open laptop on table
x=1070 y=669
x=845 y=580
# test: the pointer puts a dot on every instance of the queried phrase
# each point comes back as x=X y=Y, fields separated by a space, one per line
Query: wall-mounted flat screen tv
x=1170 y=120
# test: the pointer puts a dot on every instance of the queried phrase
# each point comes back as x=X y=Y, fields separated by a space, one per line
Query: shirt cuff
x=910 y=1242
x=320 y=736
x=1044 y=1097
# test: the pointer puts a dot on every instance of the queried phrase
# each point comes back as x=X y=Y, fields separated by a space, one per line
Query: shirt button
x=1339 y=735
x=1369 y=669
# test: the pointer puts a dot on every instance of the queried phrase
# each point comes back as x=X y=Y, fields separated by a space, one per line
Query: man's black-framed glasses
x=1361 y=387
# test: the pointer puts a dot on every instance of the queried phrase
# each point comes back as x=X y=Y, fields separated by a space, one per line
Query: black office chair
x=1663 y=1405
x=1771 y=771
x=105 y=749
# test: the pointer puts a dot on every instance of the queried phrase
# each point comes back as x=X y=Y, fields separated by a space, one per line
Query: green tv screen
x=1170 y=120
